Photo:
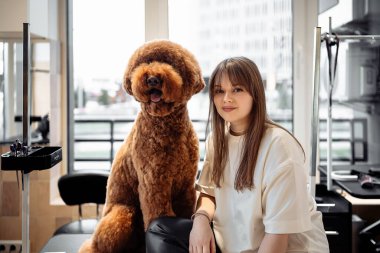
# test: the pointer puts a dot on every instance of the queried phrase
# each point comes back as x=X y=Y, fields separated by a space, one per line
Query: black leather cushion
x=169 y=235
x=87 y=186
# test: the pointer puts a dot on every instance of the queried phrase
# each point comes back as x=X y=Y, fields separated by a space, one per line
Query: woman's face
x=233 y=103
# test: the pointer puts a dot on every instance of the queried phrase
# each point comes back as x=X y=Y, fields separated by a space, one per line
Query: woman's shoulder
x=280 y=141
x=278 y=134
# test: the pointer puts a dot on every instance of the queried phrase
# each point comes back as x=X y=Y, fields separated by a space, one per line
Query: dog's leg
x=86 y=247
x=121 y=227
x=184 y=203
x=120 y=230
x=155 y=198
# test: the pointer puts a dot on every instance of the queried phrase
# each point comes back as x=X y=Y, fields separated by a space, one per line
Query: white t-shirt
x=280 y=202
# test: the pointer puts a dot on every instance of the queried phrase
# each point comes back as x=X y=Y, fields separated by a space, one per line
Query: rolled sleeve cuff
x=287 y=227
x=205 y=189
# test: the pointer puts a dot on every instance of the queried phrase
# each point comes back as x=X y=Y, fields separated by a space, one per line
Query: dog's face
x=162 y=75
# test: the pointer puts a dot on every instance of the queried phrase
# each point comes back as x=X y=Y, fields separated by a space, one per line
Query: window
x=2 y=90
x=11 y=82
x=212 y=30
x=260 y=30
x=349 y=127
x=103 y=40
x=349 y=141
x=10 y=89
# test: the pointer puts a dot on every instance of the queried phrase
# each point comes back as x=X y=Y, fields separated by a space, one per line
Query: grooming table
x=68 y=243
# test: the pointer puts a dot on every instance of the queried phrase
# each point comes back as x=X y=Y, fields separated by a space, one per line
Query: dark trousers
x=169 y=235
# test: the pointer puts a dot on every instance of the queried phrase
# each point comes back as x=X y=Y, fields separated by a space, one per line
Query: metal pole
x=26 y=135
x=315 y=114
x=329 y=121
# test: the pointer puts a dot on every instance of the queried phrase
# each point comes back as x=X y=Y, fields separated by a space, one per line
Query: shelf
x=38 y=158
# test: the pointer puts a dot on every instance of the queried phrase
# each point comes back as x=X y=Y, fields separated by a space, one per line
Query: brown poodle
x=154 y=171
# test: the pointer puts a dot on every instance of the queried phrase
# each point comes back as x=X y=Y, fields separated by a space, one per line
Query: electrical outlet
x=10 y=246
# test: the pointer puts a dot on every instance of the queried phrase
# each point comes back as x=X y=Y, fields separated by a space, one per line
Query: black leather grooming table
x=353 y=187
x=67 y=243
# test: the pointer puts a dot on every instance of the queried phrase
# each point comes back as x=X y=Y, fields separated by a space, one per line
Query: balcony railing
x=96 y=141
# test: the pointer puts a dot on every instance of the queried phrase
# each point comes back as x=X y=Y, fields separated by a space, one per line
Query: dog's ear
x=194 y=72
x=127 y=84
x=199 y=84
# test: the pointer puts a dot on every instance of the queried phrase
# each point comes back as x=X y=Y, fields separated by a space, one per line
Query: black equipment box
x=337 y=219
x=38 y=158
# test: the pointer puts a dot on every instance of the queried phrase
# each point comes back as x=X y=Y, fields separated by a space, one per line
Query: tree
x=104 y=98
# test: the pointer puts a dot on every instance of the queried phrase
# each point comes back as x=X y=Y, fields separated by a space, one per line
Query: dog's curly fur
x=154 y=171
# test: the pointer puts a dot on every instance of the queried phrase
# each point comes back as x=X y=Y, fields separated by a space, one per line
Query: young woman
x=253 y=186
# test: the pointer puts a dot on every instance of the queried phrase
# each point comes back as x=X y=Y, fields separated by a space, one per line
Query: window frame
x=305 y=15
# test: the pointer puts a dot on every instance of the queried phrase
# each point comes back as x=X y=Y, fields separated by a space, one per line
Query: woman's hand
x=201 y=236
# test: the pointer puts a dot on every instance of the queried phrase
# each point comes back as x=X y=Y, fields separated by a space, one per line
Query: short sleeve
x=285 y=196
x=204 y=183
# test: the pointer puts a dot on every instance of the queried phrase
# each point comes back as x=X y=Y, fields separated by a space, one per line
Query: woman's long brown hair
x=244 y=72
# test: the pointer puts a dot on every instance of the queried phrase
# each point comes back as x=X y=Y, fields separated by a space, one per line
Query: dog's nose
x=153 y=81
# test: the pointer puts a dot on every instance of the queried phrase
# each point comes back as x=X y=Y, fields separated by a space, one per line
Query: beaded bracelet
x=200 y=213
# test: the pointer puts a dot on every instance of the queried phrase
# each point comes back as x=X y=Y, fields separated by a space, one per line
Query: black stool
x=82 y=187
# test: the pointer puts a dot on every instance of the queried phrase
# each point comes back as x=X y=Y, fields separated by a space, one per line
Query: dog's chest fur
x=164 y=142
